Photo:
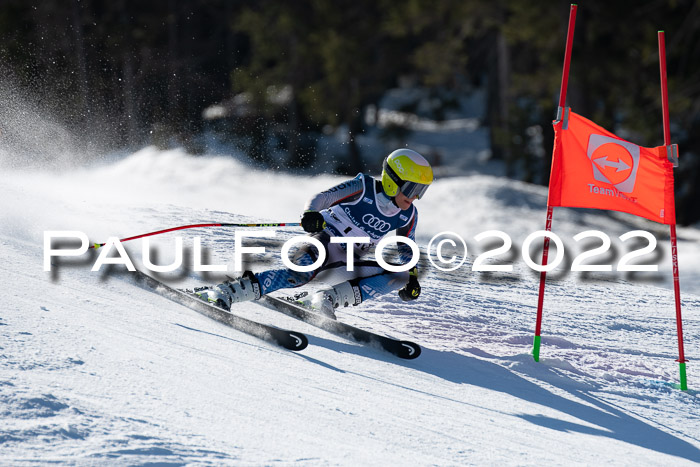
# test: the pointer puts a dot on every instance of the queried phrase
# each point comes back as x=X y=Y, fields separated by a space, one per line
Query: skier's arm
x=411 y=290
x=408 y=231
x=347 y=191
x=312 y=220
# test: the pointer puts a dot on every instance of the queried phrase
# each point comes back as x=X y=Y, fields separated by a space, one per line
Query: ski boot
x=244 y=289
x=326 y=301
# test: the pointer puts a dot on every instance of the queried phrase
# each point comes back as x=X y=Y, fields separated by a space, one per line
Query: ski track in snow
x=94 y=370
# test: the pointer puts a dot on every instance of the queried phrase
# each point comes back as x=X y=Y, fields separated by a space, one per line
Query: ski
x=291 y=340
x=402 y=349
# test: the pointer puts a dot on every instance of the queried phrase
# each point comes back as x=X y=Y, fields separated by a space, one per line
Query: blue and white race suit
x=354 y=208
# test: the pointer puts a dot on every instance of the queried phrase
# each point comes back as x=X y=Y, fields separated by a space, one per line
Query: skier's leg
x=285 y=278
x=223 y=295
x=252 y=286
x=355 y=291
x=381 y=284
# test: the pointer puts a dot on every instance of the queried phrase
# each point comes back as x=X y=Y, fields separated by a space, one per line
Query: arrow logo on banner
x=620 y=165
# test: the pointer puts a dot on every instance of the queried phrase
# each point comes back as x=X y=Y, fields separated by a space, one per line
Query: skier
x=360 y=207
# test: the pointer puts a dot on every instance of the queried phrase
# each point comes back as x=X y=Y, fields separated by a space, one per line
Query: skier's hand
x=411 y=290
x=312 y=221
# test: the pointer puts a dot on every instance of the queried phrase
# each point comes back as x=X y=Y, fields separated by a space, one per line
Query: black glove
x=411 y=291
x=312 y=221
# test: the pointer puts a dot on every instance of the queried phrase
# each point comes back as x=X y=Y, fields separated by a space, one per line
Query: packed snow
x=95 y=370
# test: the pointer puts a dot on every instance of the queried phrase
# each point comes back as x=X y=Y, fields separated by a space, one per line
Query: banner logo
x=614 y=161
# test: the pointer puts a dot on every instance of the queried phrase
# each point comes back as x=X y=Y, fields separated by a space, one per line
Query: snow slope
x=94 y=370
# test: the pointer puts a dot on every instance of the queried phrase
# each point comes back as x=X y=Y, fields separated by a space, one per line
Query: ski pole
x=197 y=226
